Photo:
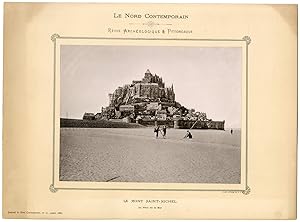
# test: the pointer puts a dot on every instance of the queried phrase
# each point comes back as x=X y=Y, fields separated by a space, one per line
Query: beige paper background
x=28 y=110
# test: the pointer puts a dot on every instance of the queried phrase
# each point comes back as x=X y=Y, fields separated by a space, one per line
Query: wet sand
x=134 y=155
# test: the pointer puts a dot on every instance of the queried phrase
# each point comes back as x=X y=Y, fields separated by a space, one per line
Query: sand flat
x=134 y=155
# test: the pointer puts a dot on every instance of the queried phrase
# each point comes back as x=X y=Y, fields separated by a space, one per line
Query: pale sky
x=204 y=78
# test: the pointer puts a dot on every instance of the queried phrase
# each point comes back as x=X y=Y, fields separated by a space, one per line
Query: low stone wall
x=187 y=124
x=78 y=123
x=168 y=123
x=124 y=120
x=119 y=123
x=184 y=124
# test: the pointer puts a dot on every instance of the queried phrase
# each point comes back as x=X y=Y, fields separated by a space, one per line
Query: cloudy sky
x=207 y=79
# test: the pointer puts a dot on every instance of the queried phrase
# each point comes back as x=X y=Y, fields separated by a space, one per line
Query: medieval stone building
x=148 y=100
x=151 y=88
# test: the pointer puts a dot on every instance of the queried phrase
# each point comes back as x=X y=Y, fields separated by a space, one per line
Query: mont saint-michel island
x=149 y=102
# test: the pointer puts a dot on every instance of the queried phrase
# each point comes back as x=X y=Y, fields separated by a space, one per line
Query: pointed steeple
x=148 y=71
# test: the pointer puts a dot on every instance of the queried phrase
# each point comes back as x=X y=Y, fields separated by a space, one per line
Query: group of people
x=163 y=131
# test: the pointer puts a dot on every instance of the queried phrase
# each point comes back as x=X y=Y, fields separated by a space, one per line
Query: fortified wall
x=187 y=124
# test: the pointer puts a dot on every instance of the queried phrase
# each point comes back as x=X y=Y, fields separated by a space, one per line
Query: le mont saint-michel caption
x=149 y=23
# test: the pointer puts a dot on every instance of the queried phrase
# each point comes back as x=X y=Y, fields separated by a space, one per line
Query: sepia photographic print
x=150 y=114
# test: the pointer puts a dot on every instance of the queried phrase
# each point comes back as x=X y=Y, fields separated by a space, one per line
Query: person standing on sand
x=156 y=130
x=164 y=129
x=231 y=131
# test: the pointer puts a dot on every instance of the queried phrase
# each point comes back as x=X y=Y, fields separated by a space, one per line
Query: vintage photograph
x=151 y=114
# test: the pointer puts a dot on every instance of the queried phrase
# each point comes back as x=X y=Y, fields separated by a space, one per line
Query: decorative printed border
x=55 y=36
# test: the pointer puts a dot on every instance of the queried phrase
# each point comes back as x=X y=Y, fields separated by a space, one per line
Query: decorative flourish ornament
x=247 y=39
x=247 y=191
x=150 y=24
x=54 y=37
x=52 y=188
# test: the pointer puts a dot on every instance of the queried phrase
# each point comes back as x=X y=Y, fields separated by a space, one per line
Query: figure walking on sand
x=164 y=129
x=188 y=135
x=231 y=131
x=156 y=130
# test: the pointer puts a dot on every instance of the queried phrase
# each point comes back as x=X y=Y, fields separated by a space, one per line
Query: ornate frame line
x=54 y=189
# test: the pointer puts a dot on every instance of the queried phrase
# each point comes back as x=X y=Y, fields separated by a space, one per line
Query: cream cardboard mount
x=62 y=60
